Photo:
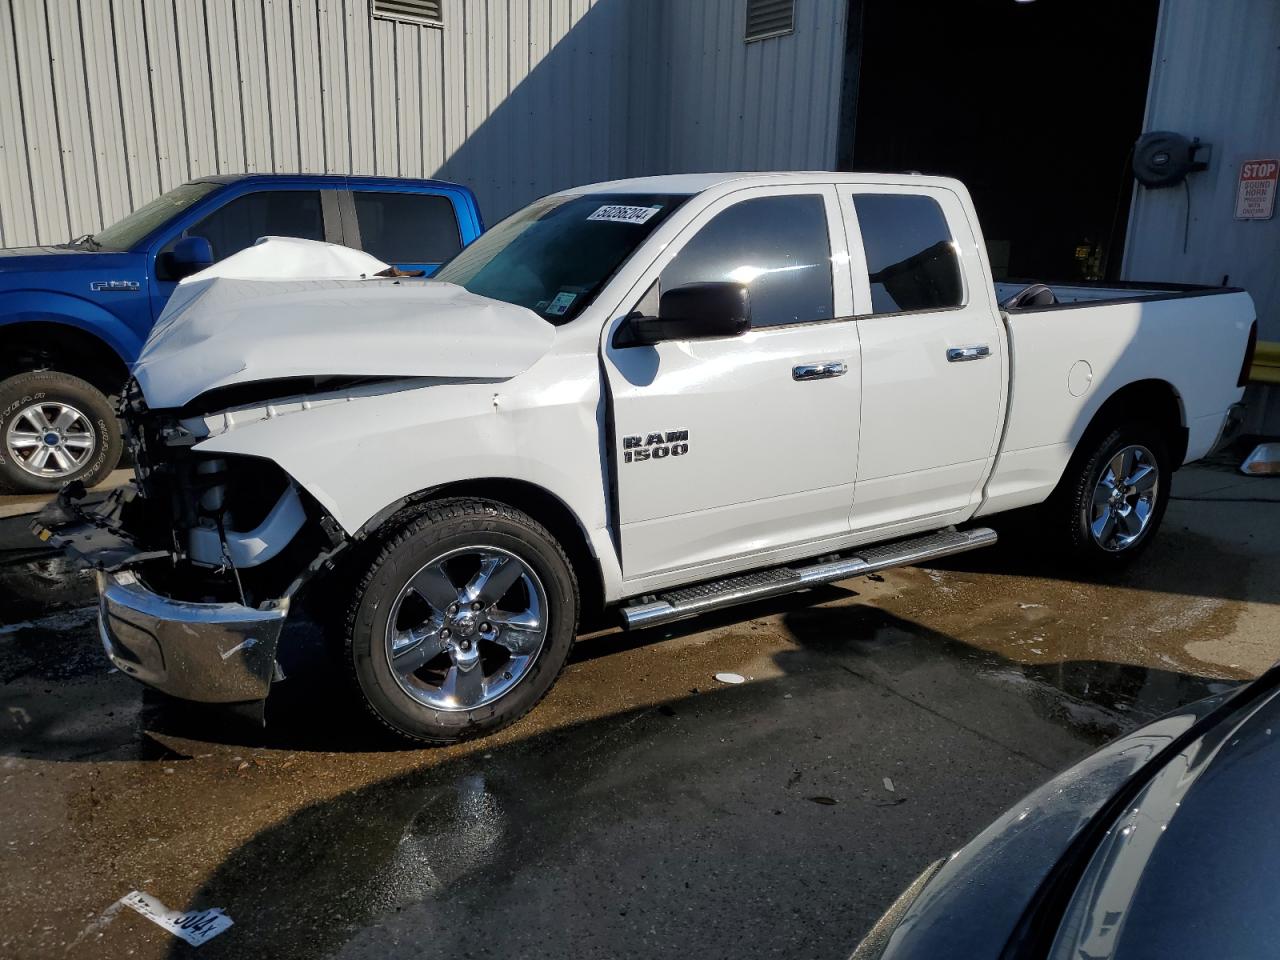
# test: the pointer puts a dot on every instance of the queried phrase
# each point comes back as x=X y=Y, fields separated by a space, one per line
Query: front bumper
x=209 y=652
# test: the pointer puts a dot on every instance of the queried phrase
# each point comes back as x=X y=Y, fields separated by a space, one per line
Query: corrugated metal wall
x=106 y=103
x=729 y=105
x=1215 y=75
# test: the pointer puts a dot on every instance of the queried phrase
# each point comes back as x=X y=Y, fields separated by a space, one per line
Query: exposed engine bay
x=205 y=528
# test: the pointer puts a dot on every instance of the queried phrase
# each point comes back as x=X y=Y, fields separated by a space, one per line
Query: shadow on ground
x=777 y=818
x=1184 y=563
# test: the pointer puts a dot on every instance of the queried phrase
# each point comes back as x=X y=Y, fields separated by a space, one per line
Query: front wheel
x=55 y=428
x=462 y=622
x=1113 y=496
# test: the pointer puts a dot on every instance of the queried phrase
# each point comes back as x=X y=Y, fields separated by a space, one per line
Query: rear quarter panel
x=1195 y=343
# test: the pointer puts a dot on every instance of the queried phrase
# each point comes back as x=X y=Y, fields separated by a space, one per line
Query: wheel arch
x=1155 y=400
x=539 y=503
x=50 y=344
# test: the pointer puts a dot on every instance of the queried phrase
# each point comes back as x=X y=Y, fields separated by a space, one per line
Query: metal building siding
x=192 y=51
x=1215 y=75
x=166 y=84
x=282 y=90
x=76 y=136
x=104 y=104
x=771 y=104
x=35 y=87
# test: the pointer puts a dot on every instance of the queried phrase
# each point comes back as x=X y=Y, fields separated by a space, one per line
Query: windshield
x=125 y=234
x=555 y=254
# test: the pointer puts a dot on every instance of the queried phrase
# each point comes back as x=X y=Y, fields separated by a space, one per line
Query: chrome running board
x=716 y=594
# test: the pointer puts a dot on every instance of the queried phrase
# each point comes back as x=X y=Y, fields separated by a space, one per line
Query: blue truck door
x=310 y=214
x=410 y=230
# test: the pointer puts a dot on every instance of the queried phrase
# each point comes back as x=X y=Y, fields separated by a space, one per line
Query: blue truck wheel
x=55 y=428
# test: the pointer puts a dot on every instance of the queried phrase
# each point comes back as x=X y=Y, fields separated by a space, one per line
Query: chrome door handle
x=978 y=351
x=819 y=371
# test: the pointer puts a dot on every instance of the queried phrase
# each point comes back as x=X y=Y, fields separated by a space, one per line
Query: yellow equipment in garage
x=1266 y=363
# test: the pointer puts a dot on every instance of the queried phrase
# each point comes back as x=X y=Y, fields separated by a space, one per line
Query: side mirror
x=696 y=311
x=189 y=255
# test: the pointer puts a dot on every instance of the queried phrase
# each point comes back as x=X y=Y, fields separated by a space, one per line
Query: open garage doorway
x=1034 y=105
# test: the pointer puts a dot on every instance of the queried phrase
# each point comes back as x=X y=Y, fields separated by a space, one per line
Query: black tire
x=439 y=529
x=19 y=393
x=1071 y=509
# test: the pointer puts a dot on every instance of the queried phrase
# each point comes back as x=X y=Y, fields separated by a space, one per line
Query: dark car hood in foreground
x=1199 y=790
x=1192 y=868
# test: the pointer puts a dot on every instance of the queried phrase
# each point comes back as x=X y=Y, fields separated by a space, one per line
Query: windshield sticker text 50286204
x=618 y=213
x=655 y=446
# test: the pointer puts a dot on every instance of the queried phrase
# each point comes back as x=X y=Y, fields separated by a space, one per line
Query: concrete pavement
x=644 y=810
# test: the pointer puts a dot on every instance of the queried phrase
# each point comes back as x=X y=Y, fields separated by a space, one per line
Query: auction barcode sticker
x=194 y=926
x=616 y=213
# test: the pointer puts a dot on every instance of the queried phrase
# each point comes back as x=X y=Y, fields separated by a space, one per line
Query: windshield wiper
x=87 y=240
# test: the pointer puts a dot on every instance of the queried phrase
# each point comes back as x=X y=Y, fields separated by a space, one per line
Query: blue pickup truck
x=74 y=316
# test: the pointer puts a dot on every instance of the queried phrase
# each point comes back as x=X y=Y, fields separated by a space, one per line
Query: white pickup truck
x=657 y=396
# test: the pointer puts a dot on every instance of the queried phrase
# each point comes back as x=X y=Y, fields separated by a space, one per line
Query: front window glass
x=556 y=254
x=125 y=234
x=778 y=246
x=270 y=213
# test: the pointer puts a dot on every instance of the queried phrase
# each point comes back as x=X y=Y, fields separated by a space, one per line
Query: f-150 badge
x=655 y=446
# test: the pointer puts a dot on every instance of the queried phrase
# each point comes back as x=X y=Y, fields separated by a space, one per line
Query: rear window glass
x=911 y=259
x=407 y=227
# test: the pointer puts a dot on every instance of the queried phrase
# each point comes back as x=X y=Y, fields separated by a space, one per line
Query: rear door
x=734 y=447
x=932 y=357
x=412 y=231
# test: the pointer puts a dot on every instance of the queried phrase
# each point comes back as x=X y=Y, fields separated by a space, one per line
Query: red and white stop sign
x=1256 y=193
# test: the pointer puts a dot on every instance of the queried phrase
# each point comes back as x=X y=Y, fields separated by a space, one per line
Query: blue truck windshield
x=125 y=234
x=555 y=254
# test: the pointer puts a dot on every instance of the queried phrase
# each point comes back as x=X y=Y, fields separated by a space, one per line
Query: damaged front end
x=197 y=562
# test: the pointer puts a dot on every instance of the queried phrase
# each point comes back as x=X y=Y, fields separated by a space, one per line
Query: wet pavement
x=643 y=810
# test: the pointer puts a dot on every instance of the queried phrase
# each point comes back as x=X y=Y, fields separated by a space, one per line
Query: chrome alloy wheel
x=50 y=440
x=1125 y=498
x=466 y=628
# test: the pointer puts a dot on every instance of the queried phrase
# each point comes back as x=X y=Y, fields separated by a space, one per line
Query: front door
x=932 y=359
x=731 y=448
x=239 y=224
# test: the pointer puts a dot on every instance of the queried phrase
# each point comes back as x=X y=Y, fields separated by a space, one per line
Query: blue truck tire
x=55 y=428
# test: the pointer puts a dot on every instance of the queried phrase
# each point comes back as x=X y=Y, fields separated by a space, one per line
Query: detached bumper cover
x=208 y=652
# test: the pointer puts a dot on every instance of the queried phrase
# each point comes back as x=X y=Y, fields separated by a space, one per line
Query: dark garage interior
x=1034 y=105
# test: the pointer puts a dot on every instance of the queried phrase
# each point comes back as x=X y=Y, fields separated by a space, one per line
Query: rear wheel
x=55 y=428
x=1113 y=495
x=462 y=622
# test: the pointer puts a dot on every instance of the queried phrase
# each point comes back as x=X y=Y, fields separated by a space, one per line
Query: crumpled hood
x=221 y=331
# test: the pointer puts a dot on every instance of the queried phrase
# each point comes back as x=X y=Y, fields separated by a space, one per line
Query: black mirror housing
x=696 y=311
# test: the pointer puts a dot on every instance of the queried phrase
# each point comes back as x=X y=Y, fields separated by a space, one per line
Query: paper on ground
x=194 y=926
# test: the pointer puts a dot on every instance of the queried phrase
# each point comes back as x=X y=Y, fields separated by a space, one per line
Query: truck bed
x=1092 y=293
x=1191 y=338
